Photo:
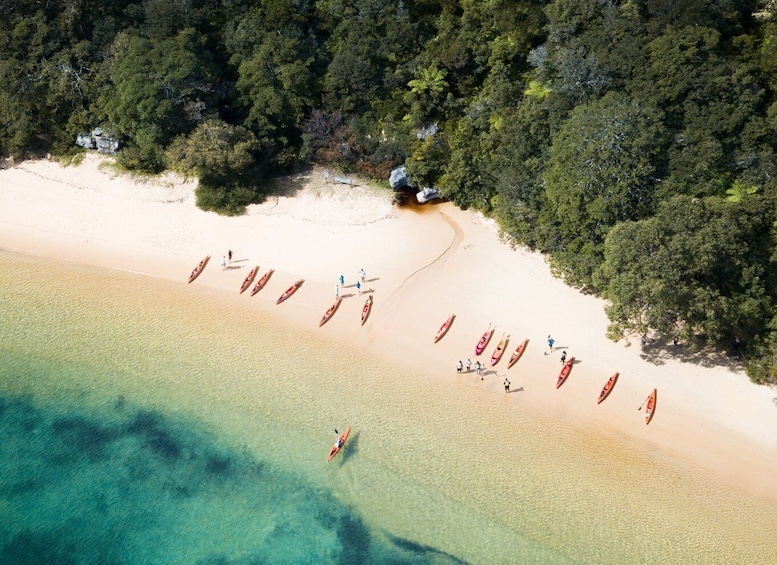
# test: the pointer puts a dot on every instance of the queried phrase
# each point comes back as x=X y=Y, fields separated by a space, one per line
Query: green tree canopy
x=699 y=266
x=156 y=90
x=600 y=171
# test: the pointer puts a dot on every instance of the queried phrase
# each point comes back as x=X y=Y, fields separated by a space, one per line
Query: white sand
x=422 y=267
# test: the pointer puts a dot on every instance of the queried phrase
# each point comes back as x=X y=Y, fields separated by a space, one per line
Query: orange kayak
x=565 y=370
x=289 y=291
x=444 y=328
x=484 y=341
x=651 y=406
x=329 y=313
x=261 y=282
x=607 y=388
x=338 y=445
x=198 y=269
x=249 y=279
x=366 y=309
x=517 y=354
x=499 y=351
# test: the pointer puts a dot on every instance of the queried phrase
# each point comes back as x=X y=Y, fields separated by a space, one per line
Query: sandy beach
x=421 y=266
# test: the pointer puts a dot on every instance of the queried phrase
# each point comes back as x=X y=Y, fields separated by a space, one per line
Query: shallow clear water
x=143 y=421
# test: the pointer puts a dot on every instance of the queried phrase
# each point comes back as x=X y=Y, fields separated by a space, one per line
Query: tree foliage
x=600 y=172
x=697 y=267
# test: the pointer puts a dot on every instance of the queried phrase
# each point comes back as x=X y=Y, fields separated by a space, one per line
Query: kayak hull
x=651 y=406
x=565 y=370
x=339 y=444
x=500 y=350
x=261 y=282
x=289 y=291
x=249 y=279
x=366 y=309
x=607 y=389
x=329 y=313
x=199 y=268
x=484 y=341
x=517 y=353
x=444 y=328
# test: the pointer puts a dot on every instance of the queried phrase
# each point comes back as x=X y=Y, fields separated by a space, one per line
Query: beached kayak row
x=496 y=356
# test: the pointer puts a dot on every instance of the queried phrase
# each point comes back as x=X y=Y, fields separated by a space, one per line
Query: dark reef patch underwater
x=128 y=486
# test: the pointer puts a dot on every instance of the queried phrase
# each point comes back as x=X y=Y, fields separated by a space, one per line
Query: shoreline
x=423 y=266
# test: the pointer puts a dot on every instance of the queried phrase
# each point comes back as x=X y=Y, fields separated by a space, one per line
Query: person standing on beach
x=223 y=262
x=229 y=254
x=469 y=365
x=551 y=341
x=359 y=287
x=458 y=366
x=362 y=274
x=507 y=385
x=342 y=281
x=563 y=356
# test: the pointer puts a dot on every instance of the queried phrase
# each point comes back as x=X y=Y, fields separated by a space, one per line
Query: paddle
x=648 y=398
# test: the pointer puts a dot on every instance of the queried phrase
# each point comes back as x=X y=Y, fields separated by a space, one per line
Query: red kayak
x=289 y=291
x=651 y=406
x=607 y=388
x=339 y=444
x=329 y=313
x=444 y=328
x=261 y=282
x=565 y=370
x=249 y=279
x=484 y=341
x=517 y=354
x=499 y=351
x=198 y=269
x=366 y=309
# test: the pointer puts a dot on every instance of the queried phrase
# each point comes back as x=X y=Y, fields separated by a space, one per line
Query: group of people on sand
x=224 y=259
x=478 y=367
x=341 y=283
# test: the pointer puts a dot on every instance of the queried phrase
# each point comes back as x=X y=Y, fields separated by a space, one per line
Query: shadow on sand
x=659 y=351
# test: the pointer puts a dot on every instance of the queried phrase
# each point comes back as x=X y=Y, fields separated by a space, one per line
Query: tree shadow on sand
x=658 y=351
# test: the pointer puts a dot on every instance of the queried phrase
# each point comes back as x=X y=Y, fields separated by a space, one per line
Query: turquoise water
x=89 y=476
x=145 y=421
x=127 y=485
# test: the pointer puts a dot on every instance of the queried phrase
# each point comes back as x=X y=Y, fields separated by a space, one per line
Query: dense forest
x=633 y=142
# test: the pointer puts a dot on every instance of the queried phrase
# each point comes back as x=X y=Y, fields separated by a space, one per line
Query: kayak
x=607 y=388
x=565 y=370
x=339 y=444
x=329 y=313
x=289 y=291
x=261 y=282
x=499 y=351
x=444 y=328
x=198 y=269
x=651 y=406
x=484 y=341
x=366 y=309
x=517 y=354
x=249 y=279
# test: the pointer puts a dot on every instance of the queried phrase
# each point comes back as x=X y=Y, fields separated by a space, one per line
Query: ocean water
x=145 y=421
